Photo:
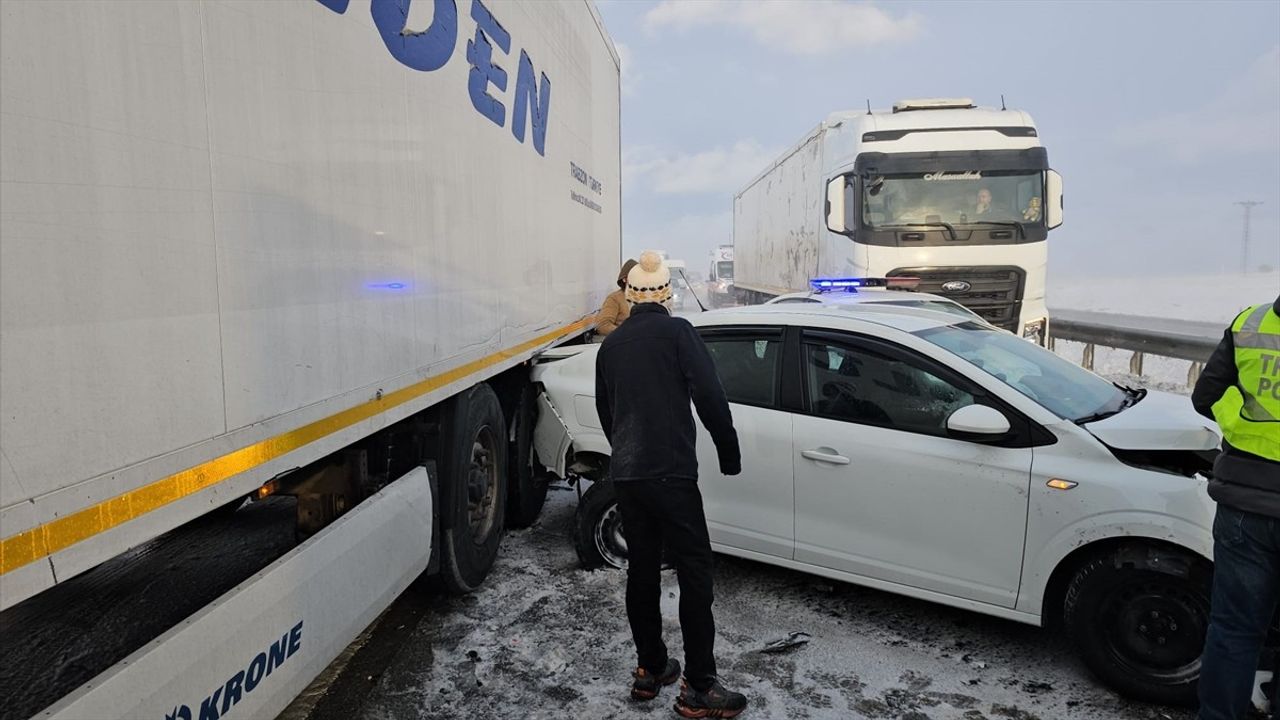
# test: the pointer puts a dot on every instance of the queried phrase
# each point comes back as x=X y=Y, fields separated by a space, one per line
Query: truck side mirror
x=1053 y=199
x=835 y=205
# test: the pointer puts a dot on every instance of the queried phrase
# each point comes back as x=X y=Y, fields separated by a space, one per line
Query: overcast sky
x=1159 y=115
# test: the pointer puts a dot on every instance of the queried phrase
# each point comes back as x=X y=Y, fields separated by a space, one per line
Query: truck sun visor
x=869 y=163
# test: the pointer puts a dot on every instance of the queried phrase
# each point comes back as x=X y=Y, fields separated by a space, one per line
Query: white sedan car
x=903 y=298
x=929 y=455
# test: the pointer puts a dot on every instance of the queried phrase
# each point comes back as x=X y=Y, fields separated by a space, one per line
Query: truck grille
x=994 y=293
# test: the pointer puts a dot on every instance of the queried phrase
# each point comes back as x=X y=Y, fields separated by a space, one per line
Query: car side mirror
x=835 y=205
x=977 y=422
x=1053 y=199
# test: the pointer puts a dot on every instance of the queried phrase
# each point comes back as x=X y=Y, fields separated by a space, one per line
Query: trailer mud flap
x=255 y=648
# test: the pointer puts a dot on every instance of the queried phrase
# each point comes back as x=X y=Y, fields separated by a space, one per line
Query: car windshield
x=945 y=306
x=953 y=197
x=724 y=269
x=1063 y=388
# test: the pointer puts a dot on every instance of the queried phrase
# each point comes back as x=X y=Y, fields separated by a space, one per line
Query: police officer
x=1240 y=389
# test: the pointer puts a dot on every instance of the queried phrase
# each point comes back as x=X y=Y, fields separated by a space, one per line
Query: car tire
x=473 y=463
x=1140 y=627
x=598 y=536
x=526 y=480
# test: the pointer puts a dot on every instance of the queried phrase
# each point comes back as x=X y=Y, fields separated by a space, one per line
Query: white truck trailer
x=960 y=196
x=299 y=248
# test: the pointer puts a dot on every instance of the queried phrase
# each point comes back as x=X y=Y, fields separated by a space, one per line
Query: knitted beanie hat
x=649 y=281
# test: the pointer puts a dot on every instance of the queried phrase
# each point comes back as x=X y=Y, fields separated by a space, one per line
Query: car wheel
x=598 y=537
x=1141 y=629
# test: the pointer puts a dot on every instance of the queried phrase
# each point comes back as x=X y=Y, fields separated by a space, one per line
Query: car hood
x=570 y=360
x=1160 y=421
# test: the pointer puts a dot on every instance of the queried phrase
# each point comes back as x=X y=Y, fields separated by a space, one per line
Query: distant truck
x=960 y=196
x=720 y=292
x=284 y=248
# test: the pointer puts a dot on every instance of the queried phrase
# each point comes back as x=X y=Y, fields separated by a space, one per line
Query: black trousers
x=669 y=512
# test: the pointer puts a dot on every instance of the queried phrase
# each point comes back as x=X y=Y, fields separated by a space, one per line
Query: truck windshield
x=724 y=269
x=954 y=198
x=1065 y=389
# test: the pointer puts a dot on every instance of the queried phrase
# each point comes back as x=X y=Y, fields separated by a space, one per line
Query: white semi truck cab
x=720 y=277
x=960 y=196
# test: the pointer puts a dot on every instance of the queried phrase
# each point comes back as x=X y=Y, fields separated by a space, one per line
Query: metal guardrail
x=1182 y=339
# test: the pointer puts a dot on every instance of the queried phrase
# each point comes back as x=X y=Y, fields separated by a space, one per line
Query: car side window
x=748 y=366
x=861 y=385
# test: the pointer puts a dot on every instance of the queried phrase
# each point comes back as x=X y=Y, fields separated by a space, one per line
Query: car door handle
x=826 y=455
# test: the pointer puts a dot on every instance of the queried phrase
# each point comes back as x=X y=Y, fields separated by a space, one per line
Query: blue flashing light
x=829 y=284
x=852 y=284
x=387 y=286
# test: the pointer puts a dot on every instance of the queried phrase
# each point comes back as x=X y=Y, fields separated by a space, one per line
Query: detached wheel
x=474 y=460
x=526 y=480
x=598 y=537
x=1141 y=630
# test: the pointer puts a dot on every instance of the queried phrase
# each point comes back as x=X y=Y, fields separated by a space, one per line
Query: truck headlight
x=1034 y=331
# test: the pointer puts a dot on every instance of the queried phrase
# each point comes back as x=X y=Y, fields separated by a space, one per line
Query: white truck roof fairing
x=843 y=134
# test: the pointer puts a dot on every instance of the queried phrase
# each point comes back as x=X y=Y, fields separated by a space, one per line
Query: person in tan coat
x=616 y=308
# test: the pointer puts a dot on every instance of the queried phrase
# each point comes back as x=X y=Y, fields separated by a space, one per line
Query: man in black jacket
x=647 y=372
x=1237 y=388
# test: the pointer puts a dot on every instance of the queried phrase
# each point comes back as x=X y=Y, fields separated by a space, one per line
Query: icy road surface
x=545 y=639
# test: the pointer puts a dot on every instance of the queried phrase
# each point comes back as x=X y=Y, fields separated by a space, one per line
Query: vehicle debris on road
x=790 y=642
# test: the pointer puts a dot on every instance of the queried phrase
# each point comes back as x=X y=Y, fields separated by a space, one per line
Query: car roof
x=863 y=295
x=904 y=318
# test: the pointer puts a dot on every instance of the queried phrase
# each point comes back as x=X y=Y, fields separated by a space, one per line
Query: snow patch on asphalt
x=545 y=639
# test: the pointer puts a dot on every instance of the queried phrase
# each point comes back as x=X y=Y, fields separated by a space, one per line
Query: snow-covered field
x=1208 y=298
x=545 y=639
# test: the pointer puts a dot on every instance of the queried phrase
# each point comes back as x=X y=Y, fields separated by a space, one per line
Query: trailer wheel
x=526 y=480
x=598 y=536
x=1140 y=629
x=474 y=455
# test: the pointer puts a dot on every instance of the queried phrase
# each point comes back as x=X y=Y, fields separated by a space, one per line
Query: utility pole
x=1248 y=206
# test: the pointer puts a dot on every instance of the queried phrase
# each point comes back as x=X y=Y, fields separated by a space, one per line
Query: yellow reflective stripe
x=1254 y=411
x=44 y=540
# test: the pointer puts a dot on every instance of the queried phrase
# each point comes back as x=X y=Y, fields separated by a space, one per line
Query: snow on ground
x=1207 y=298
x=545 y=639
x=1158 y=373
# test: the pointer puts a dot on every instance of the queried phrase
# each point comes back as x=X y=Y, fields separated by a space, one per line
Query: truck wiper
x=1022 y=233
x=950 y=230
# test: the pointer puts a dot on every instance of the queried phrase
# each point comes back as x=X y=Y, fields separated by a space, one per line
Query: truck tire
x=526 y=480
x=598 y=534
x=1140 y=629
x=473 y=464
